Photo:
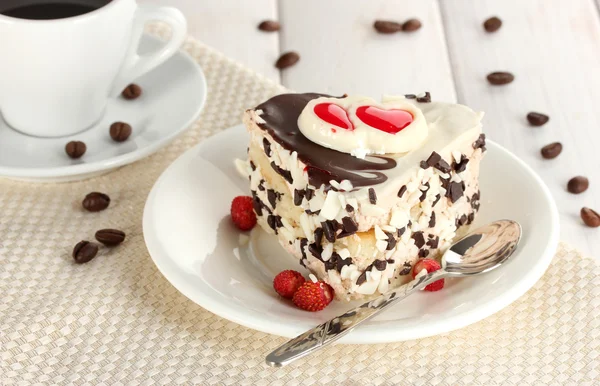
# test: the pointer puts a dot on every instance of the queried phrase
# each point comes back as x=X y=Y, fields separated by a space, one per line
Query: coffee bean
x=110 y=237
x=537 y=119
x=387 y=27
x=84 y=251
x=287 y=60
x=578 y=184
x=411 y=25
x=269 y=26
x=492 y=24
x=133 y=91
x=75 y=149
x=95 y=202
x=120 y=131
x=552 y=150
x=499 y=77
x=590 y=217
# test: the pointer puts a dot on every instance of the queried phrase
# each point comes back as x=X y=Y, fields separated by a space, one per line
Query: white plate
x=173 y=96
x=192 y=241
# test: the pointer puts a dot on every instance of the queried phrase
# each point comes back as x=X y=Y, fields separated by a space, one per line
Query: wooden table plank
x=553 y=48
x=230 y=27
x=341 y=52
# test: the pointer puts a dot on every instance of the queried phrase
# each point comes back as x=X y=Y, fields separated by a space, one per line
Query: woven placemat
x=117 y=321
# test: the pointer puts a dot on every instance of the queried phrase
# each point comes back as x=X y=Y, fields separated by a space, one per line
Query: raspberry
x=313 y=296
x=429 y=265
x=286 y=283
x=242 y=213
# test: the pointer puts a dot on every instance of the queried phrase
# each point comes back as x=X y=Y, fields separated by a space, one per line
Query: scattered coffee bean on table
x=578 y=184
x=133 y=91
x=96 y=201
x=110 y=237
x=552 y=150
x=537 y=119
x=411 y=25
x=387 y=26
x=84 y=251
x=590 y=217
x=500 y=77
x=492 y=24
x=269 y=26
x=120 y=131
x=286 y=60
x=75 y=149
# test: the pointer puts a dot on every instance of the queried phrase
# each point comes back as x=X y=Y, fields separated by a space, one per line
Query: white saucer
x=192 y=241
x=173 y=96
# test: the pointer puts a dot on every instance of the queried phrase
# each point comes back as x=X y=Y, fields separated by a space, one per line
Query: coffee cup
x=62 y=60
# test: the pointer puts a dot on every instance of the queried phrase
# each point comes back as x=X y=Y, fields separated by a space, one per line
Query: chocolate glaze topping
x=281 y=113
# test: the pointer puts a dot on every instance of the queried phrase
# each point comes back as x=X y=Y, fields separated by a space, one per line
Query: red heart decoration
x=333 y=114
x=390 y=121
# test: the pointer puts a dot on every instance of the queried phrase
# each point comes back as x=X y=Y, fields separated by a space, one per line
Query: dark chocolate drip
x=281 y=113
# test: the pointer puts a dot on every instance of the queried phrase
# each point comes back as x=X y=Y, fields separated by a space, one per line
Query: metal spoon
x=480 y=251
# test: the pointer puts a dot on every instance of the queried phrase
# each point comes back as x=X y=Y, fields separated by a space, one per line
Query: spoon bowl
x=482 y=250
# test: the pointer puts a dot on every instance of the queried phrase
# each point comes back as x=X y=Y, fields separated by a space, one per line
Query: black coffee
x=49 y=9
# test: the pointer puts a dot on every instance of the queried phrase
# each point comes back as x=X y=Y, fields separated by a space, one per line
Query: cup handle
x=137 y=65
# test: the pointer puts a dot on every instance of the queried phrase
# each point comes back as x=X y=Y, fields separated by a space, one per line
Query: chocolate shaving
x=267 y=146
x=309 y=194
x=340 y=263
x=350 y=225
x=406 y=269
x=410 y=96
x=380 y=265
x=455 y=191
x=402 y=191
x=435 y=201
x=273 y=196
x=329 y=229
x=349 y=208
x=423 y=253
x=298 y=196
x=443 y=166
x=252 y=166
x=261 y=185
x=462 y=165
x=362 y=278
x=480 y=143
x=432 y=220
x=282 y=172
x=315 y=250
x=391 y=241
x=433 y=159
x=445 y=182
x=419 y=239
x=433 y=242
x=319 y=236
x=303 y=244
x=470 y=218
x=274 y=222
x=401 y=231
x=425 y=99
x=462 y=220
x=372 y=196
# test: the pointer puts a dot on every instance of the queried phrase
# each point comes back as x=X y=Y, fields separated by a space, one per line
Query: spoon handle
x=334 y=329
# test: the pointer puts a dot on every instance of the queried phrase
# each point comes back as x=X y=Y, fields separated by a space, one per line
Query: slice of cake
x=359 y=190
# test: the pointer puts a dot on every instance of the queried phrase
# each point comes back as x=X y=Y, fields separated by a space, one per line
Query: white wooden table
x=551 y=46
